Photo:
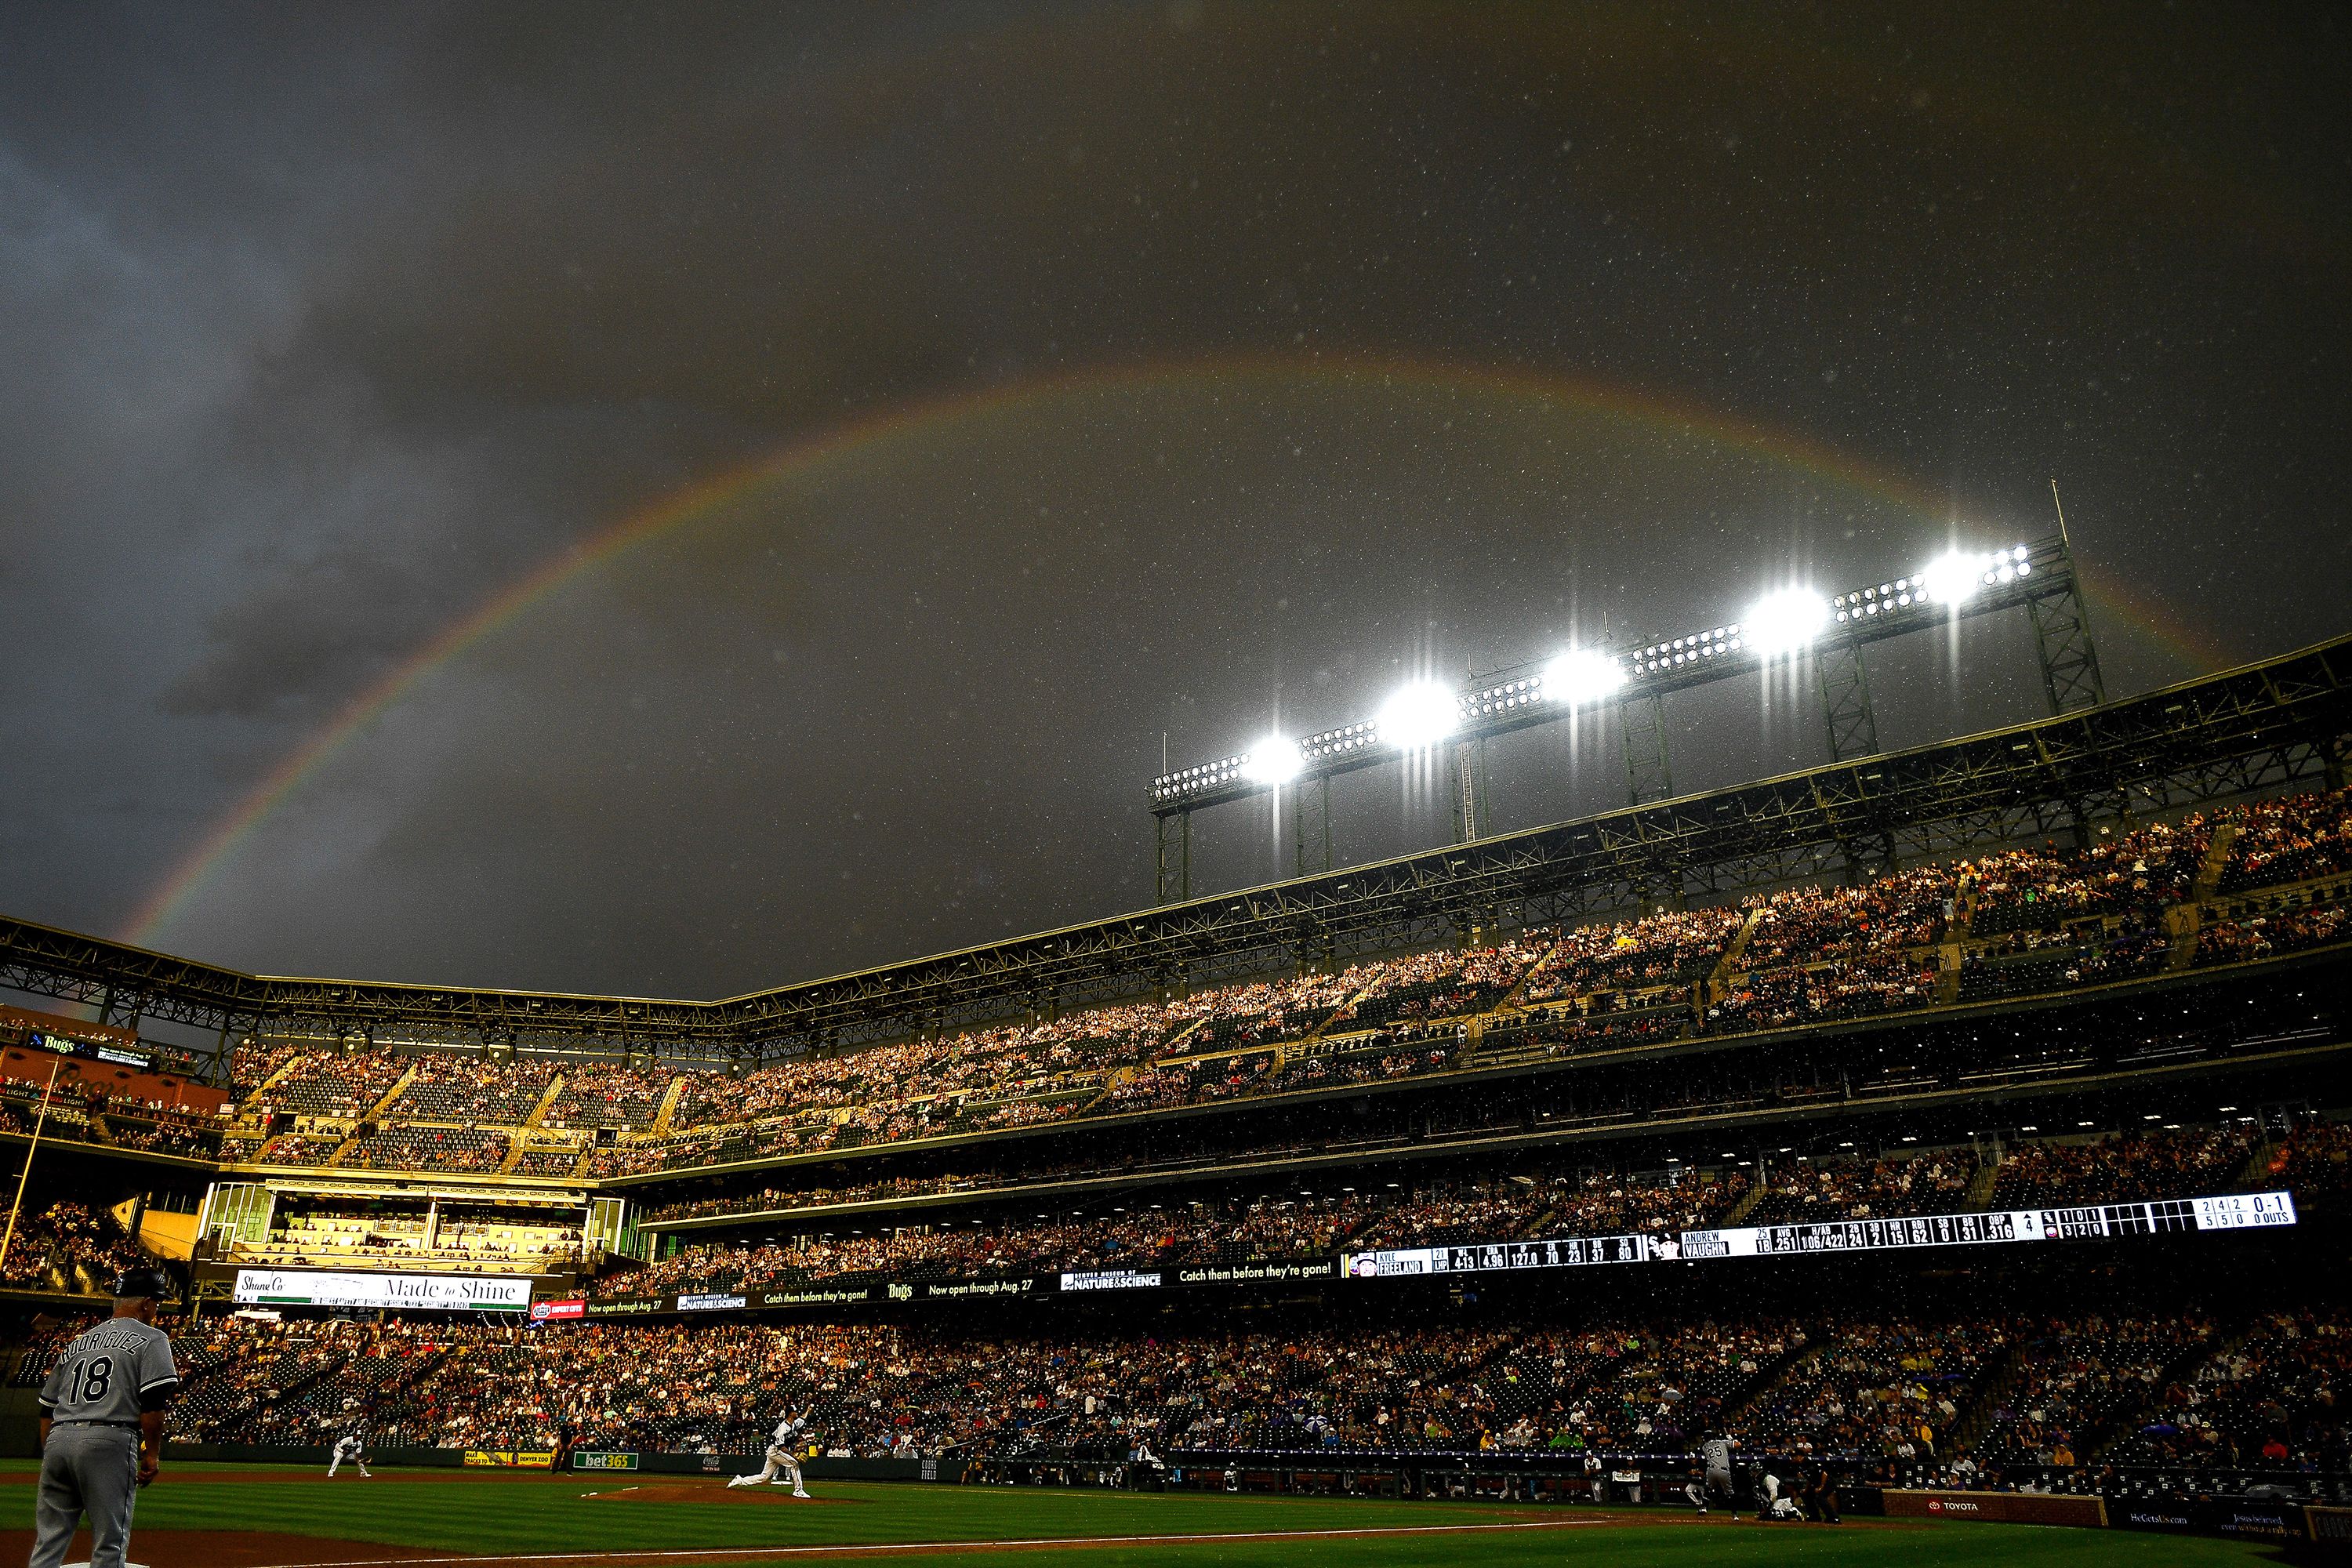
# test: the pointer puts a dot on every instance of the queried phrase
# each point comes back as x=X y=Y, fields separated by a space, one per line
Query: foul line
x=874 y=1549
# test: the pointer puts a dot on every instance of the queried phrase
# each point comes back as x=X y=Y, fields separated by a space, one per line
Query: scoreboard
x=2096 y=1222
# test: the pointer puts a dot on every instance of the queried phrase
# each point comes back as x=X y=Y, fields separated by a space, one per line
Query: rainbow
x=860 y=435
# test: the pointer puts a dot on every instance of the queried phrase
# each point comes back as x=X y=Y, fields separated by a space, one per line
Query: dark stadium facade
x=2265 y=726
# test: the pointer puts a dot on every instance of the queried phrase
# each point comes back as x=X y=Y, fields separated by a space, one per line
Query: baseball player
x=782 y=1463
x=1714 y=1454
x=102 y=1425
x=352 y=1447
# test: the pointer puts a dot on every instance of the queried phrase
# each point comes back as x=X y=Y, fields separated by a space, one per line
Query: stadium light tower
x=1419 y=716
x=1273 y=761
x=1786 y=621
x=1789 y=625
x=1581 y=677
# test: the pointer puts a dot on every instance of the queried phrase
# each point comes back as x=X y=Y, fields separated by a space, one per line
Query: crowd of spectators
x=1894 y=1388
x=2262 y=936
x=332 y=1236
x=1223 y=1230
x=160 y=1131
x=610 y=1097
x=413 y=1148
x=69 y=1246
x=1969 y=1397
x=1804 y=1190
x=21 y=1111
x=2167 y=1162
x=333 y=1083
x=473 y=1090
x=2028 y=918
x=2158 y=1162
x=2079 y=1378
x=2268 y=1400
x=560 y=1160
x=2032 y=960
x=1426 y=987
x=1891 y=914
x=2313 y=1161
x=2042 y=889
x=298 y=1148
x=1670 y=948
x=1792 y=996
x=2293 y=838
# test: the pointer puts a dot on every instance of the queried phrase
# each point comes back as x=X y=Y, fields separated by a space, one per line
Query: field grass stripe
x=1011 y=1543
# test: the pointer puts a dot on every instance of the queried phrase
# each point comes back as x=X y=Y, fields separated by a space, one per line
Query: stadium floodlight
x=1951 y=580
x=1582 y=676
x=1786 y=621
x=1954 y=579
x=1420 y=715
x=1273 y=761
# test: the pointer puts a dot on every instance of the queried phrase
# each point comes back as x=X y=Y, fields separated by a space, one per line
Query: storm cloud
x=319 y=330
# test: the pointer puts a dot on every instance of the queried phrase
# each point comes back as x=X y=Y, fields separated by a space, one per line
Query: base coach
x=102 y=1425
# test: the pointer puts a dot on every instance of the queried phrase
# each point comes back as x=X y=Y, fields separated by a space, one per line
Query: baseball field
x=262 y=1517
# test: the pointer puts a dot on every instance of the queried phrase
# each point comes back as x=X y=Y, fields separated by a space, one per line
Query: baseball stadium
x=1939 y=1151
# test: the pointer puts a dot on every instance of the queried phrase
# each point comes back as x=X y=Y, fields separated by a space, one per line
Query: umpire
x=102 y=1425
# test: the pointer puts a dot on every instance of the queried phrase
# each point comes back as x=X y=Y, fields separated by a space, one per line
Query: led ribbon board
x=2095 y=1221
x=1572 y=1252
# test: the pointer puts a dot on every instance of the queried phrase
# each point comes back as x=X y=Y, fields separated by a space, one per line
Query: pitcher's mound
x=712 y=1490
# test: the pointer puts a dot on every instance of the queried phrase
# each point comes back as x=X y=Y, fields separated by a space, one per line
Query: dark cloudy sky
x=1182 y=369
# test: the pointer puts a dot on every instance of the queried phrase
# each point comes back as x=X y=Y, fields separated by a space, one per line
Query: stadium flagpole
x=23 y=1175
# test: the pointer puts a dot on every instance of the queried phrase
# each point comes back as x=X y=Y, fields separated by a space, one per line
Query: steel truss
x=1845 y=701
x=1467 y=779
x=2257 y=728
x=1172 y=854
x=1311 y=828
x=2062 y=642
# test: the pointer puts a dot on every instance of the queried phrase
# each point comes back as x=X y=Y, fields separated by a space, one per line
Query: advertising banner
x=1998 y=1508
x=818 y=1296
x=515 y=1459
x=1112 y=1279
x=960 y=1289
x=558 y=1312
x=1253 y=1273
x=455 y=1292
x=603 y=1459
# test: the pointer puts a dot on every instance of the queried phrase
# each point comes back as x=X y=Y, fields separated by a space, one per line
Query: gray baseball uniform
x=1716 y=1455
x=94 y=1397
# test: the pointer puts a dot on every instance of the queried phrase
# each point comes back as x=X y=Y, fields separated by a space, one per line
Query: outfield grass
x=529 y=1514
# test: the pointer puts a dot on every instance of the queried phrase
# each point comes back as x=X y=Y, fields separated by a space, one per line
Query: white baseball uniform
x=783 y=1464
x=348 y=1448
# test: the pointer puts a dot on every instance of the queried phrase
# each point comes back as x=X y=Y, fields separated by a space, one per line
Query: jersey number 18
x=87 y=1381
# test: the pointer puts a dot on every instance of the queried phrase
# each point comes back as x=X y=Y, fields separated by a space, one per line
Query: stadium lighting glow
x=1422 y=714
x=1954 y=579
x=1273 y=761
x=1786 y=621
x=1951 y=580
x=1581 y=678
